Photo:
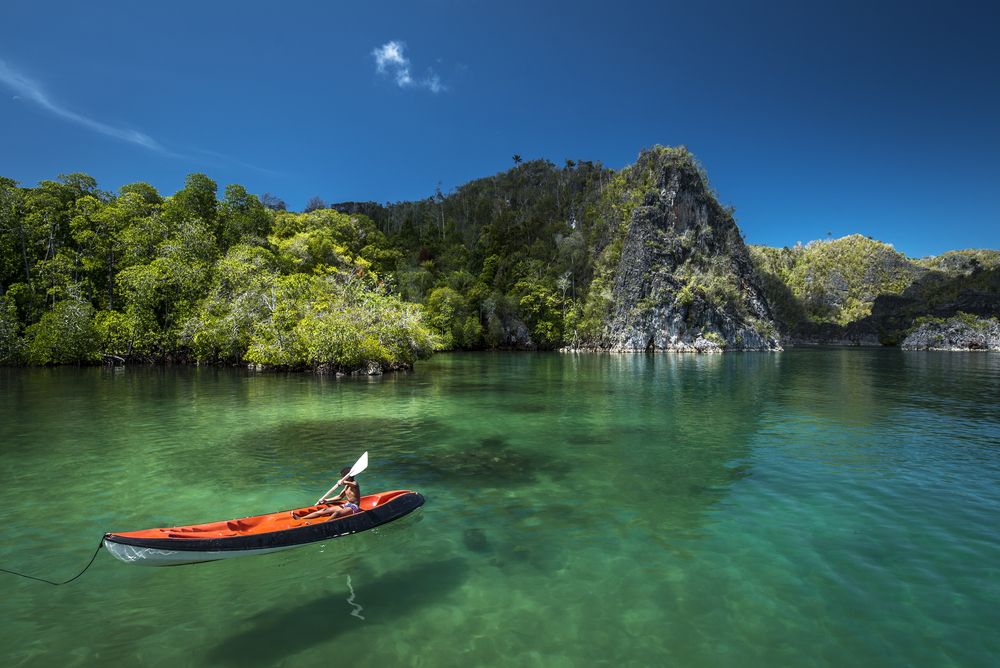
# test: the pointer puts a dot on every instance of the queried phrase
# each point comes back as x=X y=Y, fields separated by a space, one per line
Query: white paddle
x=358 y=467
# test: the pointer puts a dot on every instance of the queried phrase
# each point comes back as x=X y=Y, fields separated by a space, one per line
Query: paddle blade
x=359 y=465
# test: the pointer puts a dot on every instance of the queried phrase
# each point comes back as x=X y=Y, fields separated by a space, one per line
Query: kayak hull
x=149 y=556
x=260 y=534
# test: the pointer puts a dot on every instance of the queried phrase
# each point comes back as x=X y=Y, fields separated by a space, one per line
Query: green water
x=807 y=508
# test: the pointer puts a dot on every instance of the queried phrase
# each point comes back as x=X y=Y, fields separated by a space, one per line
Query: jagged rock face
x=513 y=334
x=685 y=281
x=882 y=271
x=955 y=334
x=934 y=294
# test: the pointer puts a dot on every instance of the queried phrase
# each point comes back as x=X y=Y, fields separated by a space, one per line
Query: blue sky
x=811 y=118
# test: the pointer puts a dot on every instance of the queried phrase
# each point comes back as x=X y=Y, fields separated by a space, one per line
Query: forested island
x=541 y=256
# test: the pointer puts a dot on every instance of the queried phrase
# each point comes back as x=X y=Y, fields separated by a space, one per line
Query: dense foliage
x=87 y=275
x=523 y=259
x=526 y=258
x=503 y=261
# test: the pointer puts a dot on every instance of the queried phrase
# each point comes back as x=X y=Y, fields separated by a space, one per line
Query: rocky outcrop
x=683 y=280
x=509 y=332
x=962 y=332
x=821 y=287
x=963 y=261
x=858 y=291
x=504 y=329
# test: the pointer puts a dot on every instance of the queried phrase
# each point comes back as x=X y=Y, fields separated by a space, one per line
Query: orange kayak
x=260 y=534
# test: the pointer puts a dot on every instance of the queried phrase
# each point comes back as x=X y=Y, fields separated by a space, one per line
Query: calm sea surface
x=807 y=508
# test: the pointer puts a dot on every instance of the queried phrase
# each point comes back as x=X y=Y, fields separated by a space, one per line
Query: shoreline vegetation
x=540 y=257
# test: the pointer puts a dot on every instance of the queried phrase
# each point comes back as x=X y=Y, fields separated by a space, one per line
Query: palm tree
x=517 y=158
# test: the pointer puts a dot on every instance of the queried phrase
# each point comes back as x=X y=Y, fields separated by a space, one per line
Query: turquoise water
x=809 y=508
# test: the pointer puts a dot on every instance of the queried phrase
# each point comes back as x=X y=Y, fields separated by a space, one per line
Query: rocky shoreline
x=959 y=333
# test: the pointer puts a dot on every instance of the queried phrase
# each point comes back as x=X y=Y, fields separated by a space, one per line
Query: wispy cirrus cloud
x=27 y=89
x=391 y=61
x=227 y=159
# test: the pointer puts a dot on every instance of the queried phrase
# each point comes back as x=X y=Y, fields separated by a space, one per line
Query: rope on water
x=32 y=577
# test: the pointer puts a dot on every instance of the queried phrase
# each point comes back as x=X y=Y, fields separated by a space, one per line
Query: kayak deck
x=256 y=524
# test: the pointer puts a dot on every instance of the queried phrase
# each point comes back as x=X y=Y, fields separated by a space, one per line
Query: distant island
x=540 y=257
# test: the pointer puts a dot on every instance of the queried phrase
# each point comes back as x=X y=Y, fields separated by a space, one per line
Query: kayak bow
x=260 y=534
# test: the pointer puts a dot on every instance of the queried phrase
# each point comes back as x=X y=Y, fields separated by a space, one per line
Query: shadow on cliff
x=935 y=293
x=273 y=636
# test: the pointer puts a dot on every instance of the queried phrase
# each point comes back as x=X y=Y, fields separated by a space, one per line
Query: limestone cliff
x=859 y=291
x=678 y=276
x=830 y=282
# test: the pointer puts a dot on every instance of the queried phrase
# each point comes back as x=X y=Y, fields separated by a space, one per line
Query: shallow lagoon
x=822 y=507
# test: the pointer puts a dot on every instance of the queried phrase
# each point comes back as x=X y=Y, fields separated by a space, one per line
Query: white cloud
x=390 y=61
x=390 y=53
x=434 y=83
x=30 y=90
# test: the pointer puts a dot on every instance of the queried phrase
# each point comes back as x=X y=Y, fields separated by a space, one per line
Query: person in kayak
x=345 y=503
